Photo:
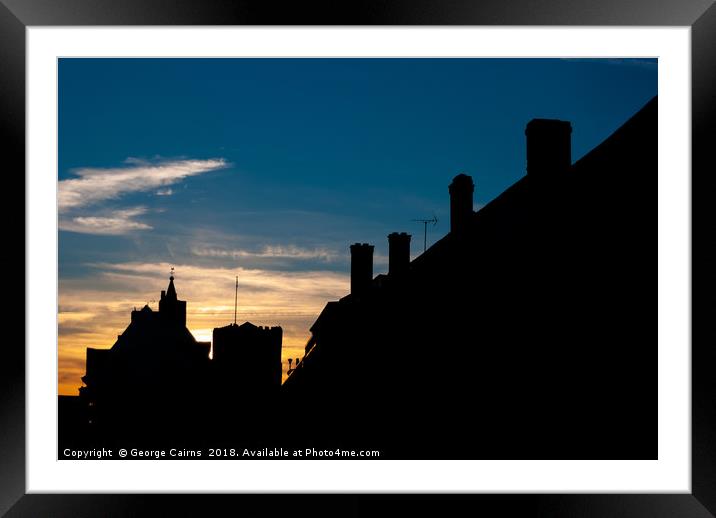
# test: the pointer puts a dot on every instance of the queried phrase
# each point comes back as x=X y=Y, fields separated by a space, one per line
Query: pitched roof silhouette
x=520 y=313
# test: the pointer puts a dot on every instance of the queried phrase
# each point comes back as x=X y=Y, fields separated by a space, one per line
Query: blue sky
x=274 y=166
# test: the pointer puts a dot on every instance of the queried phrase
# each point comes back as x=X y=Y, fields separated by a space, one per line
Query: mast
x=425 y=222
x=236 y=298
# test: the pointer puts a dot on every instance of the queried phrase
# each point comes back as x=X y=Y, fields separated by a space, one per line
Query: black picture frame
x=700 y=15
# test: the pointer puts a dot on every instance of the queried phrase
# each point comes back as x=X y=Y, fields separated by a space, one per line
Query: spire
x=171 y=290
x=171 y=308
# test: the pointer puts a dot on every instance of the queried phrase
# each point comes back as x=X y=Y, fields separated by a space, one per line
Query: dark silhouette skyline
x=158 y=382
x=270 y=168
x=528 y=331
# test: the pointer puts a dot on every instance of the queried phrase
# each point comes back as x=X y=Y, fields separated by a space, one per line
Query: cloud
x=93 y=310
x=278 y=252
x=94 y=185
x=165 y=192
x=261 y=288
x=112 y=223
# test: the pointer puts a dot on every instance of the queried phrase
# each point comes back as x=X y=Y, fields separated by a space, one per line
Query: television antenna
x=434 y=221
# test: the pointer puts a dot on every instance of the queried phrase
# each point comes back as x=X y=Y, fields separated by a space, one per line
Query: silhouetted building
x=171 y=309
x=461 y=190
x=549 y=147
x=153 y=372
x=247 y=359
x=158 y=381
x=398 y=253
x=528 y=331
x=361 y=267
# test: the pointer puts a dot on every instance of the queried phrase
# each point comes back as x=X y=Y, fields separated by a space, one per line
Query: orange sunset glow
x=94 y=310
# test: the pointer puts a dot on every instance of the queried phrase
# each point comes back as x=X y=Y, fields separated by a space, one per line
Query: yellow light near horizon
x=94 y=310
x=202 y=335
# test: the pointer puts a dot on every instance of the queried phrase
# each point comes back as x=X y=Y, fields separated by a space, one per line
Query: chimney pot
x=361 y=267
x=398 y=253
x=549 y=147
x=461 y=190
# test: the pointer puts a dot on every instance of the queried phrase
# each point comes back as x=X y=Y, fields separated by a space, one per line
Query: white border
x=671 y=473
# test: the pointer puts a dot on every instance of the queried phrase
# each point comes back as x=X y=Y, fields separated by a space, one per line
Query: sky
x=270 y=168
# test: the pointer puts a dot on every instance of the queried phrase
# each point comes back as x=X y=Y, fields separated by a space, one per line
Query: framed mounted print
x=369 y=259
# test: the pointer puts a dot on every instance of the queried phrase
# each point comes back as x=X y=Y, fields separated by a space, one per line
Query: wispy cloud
x=165 y=192
x=288 y=289
x=116 y=222
x=279 y=252
x=94 y=185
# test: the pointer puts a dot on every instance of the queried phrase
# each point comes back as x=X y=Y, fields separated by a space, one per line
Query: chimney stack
x=461 y=190
x=361 y=267
x=398 y=253
x=549 y=147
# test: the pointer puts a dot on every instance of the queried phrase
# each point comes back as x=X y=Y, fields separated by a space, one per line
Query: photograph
x=357 y=258
x=311 y=258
